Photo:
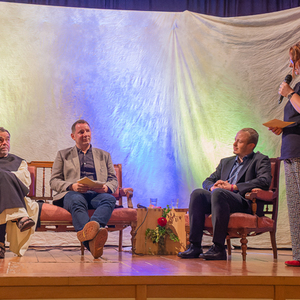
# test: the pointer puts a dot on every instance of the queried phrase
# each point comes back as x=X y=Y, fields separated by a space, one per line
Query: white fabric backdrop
x=165 y=93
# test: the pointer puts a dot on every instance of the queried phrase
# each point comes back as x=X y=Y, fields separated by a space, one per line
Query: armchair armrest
x=259 y=194
x=267 y=196
x=128 y=193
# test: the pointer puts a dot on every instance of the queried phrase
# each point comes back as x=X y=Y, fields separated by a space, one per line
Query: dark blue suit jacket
x=255 y=173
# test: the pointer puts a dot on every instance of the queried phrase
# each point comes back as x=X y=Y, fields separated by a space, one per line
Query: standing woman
x=290 y=153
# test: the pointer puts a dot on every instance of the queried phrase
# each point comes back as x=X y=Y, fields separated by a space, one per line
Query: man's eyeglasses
x=2 y=140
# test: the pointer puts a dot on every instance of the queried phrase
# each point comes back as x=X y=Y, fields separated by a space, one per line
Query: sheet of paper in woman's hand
x=277 y=123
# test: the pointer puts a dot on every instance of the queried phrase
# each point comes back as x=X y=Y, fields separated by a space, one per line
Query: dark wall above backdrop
x=220 y=8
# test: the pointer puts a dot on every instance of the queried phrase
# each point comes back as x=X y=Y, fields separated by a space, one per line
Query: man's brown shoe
x=88 y=232
x=97 y=243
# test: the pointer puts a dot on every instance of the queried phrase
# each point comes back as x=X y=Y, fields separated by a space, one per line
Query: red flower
x=162 y=222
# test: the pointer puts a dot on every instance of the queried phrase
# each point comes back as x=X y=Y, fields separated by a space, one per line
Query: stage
x=62 y=273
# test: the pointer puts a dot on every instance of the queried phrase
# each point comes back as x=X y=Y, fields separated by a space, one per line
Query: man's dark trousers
x=220 y=203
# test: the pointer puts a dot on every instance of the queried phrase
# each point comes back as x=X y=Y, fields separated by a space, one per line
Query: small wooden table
x=147 y=218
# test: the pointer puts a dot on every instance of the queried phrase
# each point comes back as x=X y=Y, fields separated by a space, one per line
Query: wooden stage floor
x=62 y=273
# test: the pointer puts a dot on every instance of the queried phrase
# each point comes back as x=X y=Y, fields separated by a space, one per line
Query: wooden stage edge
x=60 y=273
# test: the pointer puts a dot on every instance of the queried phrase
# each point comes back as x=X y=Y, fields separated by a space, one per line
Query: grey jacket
x=66 y=170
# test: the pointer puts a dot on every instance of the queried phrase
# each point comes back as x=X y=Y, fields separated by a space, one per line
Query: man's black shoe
x=215 y=253
x=192 y=252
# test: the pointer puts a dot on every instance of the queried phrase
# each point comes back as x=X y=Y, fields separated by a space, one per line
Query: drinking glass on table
x=175 y=203
x=153 y=202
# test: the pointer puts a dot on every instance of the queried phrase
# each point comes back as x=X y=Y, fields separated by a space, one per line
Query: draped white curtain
x=164 y=93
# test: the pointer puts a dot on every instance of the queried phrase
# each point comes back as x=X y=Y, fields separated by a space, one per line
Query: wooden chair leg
x=273 y=242
x=187 y=232
x=244 y=242
x=228 y=246
x=120 y=240
x=133 y=234
x=82 y=248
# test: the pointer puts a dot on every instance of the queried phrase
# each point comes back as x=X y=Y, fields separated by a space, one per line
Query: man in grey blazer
x=223 y=194
x=77 y=162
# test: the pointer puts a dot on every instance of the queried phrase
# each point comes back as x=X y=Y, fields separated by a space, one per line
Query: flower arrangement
x=161 y=231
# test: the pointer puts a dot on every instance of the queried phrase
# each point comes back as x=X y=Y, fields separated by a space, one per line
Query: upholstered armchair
x=243 y=225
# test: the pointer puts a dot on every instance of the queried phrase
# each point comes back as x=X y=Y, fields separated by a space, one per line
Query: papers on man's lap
x=90 y=183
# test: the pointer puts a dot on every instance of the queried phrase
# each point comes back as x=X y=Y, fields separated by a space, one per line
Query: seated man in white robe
x=18 y=213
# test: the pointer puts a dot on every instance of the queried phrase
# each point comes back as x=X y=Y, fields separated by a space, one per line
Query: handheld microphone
x=288 y=78
x=140 y=206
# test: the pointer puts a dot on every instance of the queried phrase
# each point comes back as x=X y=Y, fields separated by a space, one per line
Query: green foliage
x=165 y=211
x=159 y=234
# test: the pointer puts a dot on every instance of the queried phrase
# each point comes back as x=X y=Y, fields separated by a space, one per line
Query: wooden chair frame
x=46 y=194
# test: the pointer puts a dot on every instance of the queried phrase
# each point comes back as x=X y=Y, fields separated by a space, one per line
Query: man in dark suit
x=77 y=162
x=223 y=194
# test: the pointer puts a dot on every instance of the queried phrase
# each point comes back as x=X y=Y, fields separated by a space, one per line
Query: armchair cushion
x=239 y=220
x=52 y=212
x=124 y=214
x=265 y=222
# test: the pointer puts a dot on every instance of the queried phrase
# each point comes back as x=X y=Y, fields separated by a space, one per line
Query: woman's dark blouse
x=290 y=146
